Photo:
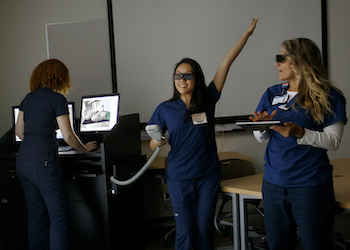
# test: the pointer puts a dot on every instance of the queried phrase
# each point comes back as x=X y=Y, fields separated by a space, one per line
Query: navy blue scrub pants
x=47 y=201
x=194 y=202
x=310 y=208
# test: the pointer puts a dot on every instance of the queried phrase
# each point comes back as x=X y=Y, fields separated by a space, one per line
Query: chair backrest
x=234 y=168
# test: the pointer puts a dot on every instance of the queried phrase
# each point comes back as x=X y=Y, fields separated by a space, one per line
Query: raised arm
x=70 y=137
x=221 y=73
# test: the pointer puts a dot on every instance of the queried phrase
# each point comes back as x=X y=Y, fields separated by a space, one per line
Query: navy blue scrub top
x=41 y=108
x=287 y=163
x=193 y=151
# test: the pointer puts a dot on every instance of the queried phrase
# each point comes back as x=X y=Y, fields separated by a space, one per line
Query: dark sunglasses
x=281 y=58
x=184 y=76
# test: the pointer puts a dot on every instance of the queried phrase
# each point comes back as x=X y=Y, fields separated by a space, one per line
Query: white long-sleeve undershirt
x=329 y=138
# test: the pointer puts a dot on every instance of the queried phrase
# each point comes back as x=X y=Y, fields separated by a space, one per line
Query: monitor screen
x=59 y=136
x=71 y=119
x=99 y=113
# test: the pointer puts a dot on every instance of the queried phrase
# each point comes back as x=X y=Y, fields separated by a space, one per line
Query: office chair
x=166 y=202
x=234 y=168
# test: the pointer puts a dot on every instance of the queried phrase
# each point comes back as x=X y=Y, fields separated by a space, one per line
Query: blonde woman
x=298 y=187
x=38 y=167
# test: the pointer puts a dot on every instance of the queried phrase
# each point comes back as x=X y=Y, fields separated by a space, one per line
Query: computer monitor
x=99 y=113
x=15 y=111
x=71 y=111
x=59 y=136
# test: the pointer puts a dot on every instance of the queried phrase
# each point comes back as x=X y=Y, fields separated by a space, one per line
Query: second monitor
x=59 y=136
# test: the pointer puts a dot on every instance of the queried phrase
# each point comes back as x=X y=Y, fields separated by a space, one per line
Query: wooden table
x=341 y=179
x=249 y=187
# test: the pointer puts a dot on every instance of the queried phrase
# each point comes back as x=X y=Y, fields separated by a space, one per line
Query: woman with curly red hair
x=37 y=164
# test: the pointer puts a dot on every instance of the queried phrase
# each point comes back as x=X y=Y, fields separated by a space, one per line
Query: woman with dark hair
x=298 y=186
x=37 y=164
x=193 y=172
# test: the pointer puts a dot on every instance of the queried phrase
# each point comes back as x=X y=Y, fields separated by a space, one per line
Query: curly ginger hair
x=51 y=74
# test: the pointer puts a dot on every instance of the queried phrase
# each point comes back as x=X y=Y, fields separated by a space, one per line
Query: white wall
x=22 y=47
x=339 y=65
x=159 y=35
x=23 y=44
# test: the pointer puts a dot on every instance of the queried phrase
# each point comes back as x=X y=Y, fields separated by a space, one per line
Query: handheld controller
x=154 y=132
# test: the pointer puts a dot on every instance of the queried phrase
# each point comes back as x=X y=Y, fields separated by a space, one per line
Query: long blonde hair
x=51 y=74
x=315 y=86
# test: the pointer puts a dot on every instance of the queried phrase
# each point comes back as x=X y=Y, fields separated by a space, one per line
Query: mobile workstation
x=103 y=216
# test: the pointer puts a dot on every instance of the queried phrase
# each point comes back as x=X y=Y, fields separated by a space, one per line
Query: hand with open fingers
x=289 y=129
x=258 y=116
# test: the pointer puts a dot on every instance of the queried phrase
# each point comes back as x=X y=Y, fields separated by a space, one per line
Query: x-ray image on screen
x=99 y=113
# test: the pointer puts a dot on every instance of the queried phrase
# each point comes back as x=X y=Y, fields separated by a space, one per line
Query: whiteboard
x=83 y=46
x=151 y=36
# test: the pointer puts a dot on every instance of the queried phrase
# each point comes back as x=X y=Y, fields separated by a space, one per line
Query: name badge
x=199 y=118
x=280 y=99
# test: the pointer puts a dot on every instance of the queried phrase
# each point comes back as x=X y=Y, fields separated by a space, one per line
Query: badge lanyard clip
x=285 y=87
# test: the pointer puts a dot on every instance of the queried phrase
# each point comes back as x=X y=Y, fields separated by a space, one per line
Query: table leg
x=236 y=242
x=244 y=218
